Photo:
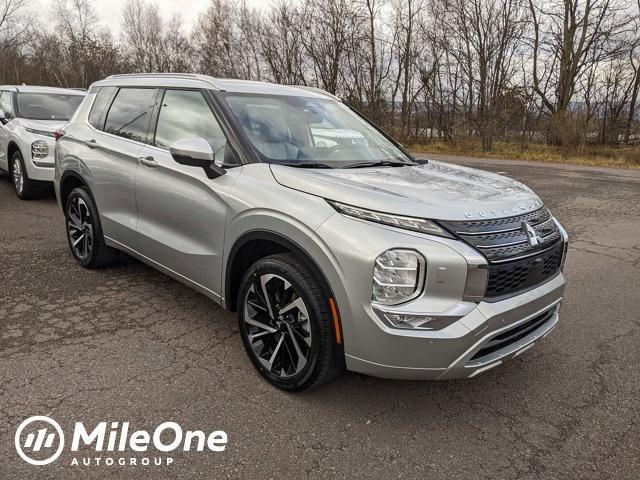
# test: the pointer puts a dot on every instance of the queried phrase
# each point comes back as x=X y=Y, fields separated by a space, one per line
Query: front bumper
x=41 y=173
x=463 y=342
x=467 y=347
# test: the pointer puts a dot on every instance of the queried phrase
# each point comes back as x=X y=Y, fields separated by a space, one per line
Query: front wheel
x=286 y=324
x=26 y=189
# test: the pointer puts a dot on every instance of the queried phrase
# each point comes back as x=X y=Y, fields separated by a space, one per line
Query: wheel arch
x=257 y=244
x=12 y=148
x=68 y=181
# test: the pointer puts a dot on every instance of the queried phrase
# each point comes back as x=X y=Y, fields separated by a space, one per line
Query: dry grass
x=585 y=155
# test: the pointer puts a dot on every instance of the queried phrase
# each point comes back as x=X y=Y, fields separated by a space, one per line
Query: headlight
x=408 y=223
x=39 y=149
x=398 y=276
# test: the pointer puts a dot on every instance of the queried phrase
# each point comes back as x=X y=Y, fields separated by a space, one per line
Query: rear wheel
x=26 y=189
x=84 y=232
x=286 y=324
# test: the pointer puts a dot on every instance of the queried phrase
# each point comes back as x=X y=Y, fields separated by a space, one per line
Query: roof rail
x=192 y=76
x=133 y=75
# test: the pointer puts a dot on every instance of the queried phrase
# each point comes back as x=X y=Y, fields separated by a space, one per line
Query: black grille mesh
x=511 y=277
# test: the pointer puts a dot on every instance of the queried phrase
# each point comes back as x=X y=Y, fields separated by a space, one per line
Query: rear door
x=181 y=212
x=120 y=121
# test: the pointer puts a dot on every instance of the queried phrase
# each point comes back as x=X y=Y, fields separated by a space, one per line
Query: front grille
x=518 y=275
x=515 y=264
x=513 y=335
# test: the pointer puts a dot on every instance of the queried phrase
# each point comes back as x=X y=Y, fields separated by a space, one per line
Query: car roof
x=189 y=80
x=42 y=89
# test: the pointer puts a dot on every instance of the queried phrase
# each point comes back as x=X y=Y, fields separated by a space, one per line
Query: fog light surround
x=39 y=150
x=409 y=321
x=398 y=276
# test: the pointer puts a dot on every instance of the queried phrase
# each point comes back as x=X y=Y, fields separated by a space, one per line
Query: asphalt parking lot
x=130 y=344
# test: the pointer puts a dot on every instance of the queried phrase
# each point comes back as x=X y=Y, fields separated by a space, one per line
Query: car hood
x=433 y=190
x=45 y=125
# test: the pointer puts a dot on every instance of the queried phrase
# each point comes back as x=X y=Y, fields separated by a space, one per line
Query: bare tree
x=406 y=16
x=564 y=71
x=152 y=44
x=325 y=34
x=281 y=45
x=491 y=31
x=565 y=36
x=14 y=23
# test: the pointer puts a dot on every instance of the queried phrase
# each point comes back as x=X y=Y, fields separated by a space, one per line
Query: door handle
x=91 y=143
x=148 y=162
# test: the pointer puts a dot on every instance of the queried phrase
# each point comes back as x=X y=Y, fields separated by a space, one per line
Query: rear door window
x=130 y=113
x=99 y=107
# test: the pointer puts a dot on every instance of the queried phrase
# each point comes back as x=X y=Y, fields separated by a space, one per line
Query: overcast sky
x=110 y=11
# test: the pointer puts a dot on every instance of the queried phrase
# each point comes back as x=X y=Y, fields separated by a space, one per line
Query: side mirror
x=196 y=152
x=3 y=118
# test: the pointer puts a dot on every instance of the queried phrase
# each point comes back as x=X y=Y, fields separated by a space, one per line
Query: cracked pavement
x=130 y=344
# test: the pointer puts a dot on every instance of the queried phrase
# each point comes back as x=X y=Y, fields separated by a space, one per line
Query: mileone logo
x=40 y=440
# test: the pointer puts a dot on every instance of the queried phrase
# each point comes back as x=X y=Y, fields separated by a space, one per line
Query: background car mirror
x=196 y=152
x=3 y=118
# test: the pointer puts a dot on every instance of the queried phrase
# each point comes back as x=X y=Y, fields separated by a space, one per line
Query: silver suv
x=29 y=118
x=334 y=246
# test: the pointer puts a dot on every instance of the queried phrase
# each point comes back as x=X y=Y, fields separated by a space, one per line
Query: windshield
x=300 y=130
x=47 y=106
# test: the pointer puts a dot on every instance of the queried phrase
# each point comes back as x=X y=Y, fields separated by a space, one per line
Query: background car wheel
x=286 y=325
x=84 y=232
x=26 y=189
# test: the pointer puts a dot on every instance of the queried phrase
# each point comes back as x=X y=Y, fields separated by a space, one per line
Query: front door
x=181 y=212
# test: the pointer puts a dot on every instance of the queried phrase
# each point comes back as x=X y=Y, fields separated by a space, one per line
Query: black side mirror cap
x=211 y=169
x=214 y=171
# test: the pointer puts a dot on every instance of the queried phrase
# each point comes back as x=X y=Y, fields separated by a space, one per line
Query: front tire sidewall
x=24 y=194
x=301 y=380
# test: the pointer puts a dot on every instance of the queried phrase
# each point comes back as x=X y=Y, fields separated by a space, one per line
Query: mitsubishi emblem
x=532 y=236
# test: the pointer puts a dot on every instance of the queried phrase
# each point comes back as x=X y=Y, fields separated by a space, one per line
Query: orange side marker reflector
x=336 y=320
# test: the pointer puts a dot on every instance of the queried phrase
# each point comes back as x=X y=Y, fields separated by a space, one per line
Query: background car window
x=186 y=114
x=100 y=104
x=130 y=113
x=6 y=105
x=47 y=106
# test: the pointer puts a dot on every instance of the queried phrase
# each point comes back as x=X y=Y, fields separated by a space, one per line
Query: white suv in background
x=29 y=118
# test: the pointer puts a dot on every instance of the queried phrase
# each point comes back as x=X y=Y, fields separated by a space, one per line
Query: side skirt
x=167 y=271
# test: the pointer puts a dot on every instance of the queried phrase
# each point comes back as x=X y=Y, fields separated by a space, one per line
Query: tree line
x=564 y=72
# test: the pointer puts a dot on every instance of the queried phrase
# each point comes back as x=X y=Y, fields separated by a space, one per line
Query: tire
x=25 y=188
x=305 y=328
x=84 y=231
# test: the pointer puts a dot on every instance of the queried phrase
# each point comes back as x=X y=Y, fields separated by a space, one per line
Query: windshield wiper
x=304 y=164
x=382 y=163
